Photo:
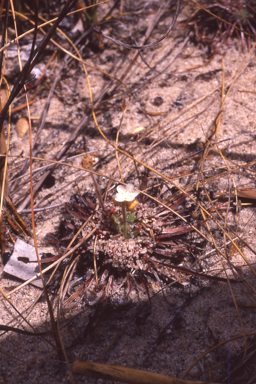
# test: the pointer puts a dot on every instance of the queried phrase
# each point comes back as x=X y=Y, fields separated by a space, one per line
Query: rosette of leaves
x=213 y=23
x=156 y=245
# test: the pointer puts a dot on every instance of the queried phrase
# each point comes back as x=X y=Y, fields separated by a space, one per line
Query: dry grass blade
x=3 y=163
x=141 y=192
x=125 y=375
x=33 y=59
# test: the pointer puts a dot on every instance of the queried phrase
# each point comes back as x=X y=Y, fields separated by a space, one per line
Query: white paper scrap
x=23 y=263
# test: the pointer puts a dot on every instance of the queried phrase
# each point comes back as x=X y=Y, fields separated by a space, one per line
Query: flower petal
x=129 y=198
x=127 y=193
x=120 y=188
x=129 y=187
x=119 y=197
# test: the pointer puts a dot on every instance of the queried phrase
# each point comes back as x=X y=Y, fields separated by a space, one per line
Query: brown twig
x=125 y=375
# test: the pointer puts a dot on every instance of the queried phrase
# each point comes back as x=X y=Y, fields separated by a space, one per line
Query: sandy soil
x=177 y=104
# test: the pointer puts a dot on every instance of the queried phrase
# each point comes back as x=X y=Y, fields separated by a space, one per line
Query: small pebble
x=22 y=126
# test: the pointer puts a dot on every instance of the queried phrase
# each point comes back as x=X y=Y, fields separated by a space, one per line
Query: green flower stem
x=124 y=219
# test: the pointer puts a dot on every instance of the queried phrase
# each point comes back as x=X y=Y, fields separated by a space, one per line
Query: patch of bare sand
x=186 y=320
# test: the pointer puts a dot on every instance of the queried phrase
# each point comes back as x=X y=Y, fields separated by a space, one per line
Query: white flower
x=126 y=193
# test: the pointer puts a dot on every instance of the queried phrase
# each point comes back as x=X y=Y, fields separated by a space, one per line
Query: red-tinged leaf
x=76 y=207
x=222 y=206
x=198 y=274
x=170 y=255
x=177 y=202
x=68 y=225
x=49 y=259
x=144 y=184
x=89 y=201
x=75 y=214
x=169 y=232
x=174 y=246
x=129 y=283
x=77 y=292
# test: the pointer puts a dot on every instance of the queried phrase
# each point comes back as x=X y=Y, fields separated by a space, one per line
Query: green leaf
x=131 y=218
x=116 y=223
